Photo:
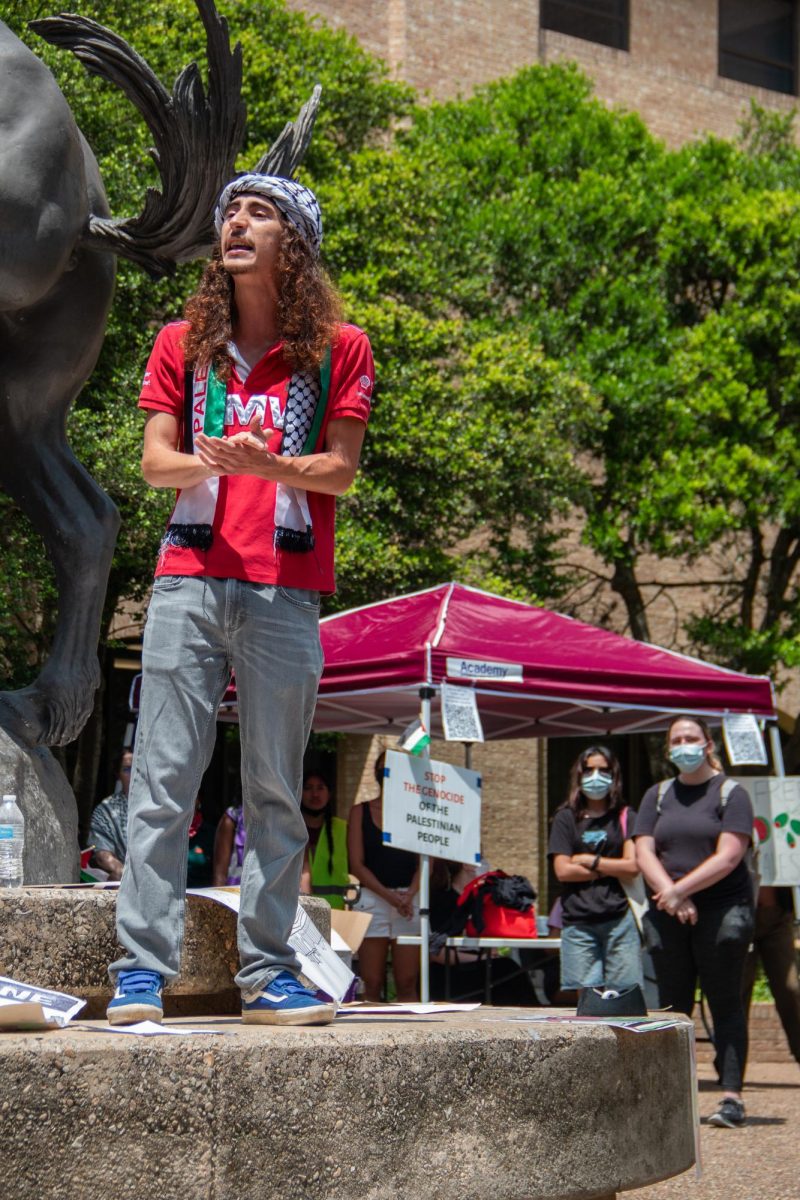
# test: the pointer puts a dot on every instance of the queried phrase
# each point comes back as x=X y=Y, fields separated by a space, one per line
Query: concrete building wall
x=449 y=47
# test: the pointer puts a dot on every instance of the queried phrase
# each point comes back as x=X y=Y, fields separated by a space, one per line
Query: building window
x=603 y=21
x=757 y=43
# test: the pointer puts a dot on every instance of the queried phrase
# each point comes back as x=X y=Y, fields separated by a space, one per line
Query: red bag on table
x=498 y=905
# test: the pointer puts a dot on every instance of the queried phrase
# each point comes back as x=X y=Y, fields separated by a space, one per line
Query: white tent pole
x=425 y=696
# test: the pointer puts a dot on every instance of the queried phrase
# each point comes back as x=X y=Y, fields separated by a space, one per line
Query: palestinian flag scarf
x=205 y=400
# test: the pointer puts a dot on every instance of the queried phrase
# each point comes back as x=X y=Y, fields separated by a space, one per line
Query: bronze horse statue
x=58 y=248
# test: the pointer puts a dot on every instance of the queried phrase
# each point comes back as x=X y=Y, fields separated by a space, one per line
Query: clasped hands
x=404 y=903
x=243 y=453
x=670 y=900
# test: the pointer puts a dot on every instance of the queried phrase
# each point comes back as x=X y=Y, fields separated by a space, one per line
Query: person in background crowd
x=592 y=850
x=692 y=834
x=773 y=945
x=200 y=858
x=327 y=840
x=325 y=860
x=389 y=881
x=229 y=848
x=108 y=828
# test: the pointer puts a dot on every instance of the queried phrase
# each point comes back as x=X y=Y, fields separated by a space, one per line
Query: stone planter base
x=446 y=1107
x=65 y=938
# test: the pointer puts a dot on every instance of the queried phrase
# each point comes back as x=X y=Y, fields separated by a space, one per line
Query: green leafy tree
x=665 y=282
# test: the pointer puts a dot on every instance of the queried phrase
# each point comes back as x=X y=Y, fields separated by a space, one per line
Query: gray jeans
x=197 y=629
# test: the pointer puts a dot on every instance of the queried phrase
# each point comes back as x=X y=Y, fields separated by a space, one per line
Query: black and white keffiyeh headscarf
x=298 y=204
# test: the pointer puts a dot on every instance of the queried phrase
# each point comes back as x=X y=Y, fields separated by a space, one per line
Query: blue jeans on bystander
x=602 y=954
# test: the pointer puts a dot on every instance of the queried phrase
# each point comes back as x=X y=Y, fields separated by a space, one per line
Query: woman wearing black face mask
x=692 y=834
x=592 y=850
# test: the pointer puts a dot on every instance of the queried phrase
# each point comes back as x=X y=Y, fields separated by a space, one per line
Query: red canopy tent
x=537 y=673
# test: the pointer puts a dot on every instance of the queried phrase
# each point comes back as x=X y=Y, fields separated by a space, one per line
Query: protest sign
x=432 y=808
x=776 y=808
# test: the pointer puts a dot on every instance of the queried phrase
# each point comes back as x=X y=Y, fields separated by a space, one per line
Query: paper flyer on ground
x=402 y=1010
x=24 y=1006
x=150 y=1029
x=631 y=1024
x=318 y=961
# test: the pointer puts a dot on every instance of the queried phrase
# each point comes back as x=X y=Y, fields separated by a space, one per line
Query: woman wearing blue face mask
x=592 y=850
x=692 y=834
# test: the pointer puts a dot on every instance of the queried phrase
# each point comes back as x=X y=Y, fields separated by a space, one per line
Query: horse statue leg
x=54 y=299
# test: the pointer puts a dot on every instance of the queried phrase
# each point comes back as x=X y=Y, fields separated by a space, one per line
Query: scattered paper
x=632 y=1024
x=147 y=1029
x=24 y=1006
x=399 y=1010
x=318 y=961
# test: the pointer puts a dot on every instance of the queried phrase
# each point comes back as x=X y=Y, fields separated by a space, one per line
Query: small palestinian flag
x=414 y=739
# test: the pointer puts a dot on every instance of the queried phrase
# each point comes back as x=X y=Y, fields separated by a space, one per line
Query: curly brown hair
x=309 y=310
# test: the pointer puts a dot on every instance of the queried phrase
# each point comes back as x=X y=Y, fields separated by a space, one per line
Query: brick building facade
x=669 y=74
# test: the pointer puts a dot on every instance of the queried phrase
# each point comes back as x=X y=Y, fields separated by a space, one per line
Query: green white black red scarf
x=205 y=401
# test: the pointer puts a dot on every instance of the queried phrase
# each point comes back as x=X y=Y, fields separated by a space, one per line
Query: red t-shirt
x=243 y=527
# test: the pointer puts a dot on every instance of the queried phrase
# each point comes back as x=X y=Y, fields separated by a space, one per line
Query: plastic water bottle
x=12 y=843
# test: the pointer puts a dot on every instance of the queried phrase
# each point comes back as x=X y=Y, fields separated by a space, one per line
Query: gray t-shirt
x=108 y=829
x=688 y=828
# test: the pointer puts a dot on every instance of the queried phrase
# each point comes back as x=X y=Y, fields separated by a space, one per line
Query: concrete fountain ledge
x=64 y=939
x=447 y=1107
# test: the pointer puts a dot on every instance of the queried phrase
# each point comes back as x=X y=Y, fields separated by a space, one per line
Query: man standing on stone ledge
x=259 y=438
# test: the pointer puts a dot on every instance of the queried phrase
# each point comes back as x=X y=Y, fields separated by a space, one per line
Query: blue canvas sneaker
x=284 y=1001
x=137 y=998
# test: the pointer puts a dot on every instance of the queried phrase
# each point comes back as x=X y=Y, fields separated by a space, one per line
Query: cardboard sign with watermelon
x=776 y=805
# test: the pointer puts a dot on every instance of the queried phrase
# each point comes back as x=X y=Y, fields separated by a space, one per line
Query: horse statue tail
x=197 y=137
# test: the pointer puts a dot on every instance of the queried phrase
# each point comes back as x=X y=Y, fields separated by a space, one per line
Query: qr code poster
x=460 y=717
x=776 y=808
x=744 y=742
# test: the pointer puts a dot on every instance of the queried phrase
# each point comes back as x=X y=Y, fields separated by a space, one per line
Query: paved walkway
x=759 y=1162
